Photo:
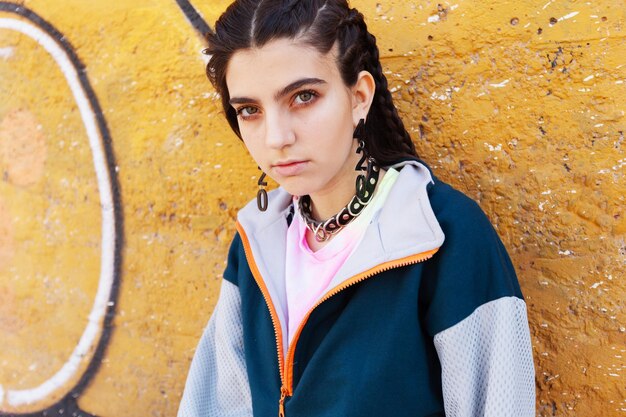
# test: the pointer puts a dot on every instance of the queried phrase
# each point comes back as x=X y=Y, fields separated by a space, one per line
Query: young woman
x=363 y=286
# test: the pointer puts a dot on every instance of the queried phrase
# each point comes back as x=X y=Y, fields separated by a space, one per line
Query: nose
x=278 y=130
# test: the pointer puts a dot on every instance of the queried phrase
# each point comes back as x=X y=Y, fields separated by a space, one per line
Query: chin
x=295 y=186
x=297 y=191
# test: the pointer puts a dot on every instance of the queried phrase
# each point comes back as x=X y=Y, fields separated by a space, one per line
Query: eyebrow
x=285 y=91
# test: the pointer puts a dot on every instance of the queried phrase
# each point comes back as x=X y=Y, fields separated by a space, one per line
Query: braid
x=353 y=17
x=386 y=134
x=384 y=100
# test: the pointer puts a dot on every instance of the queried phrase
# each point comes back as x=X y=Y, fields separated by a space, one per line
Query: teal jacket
x=426 y=318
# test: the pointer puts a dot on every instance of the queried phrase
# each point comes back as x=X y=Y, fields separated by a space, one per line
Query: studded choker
x=324 y=230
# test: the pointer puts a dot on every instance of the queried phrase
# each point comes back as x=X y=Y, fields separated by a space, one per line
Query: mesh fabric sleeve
x=217 y=383
x=472 y=306
x=486 y=362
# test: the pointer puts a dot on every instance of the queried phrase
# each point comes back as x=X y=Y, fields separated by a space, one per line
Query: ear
x=362 y=96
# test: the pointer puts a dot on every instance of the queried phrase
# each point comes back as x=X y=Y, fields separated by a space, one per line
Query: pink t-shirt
x=309 y=273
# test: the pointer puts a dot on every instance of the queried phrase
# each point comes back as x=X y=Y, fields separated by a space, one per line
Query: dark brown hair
x=320 y=24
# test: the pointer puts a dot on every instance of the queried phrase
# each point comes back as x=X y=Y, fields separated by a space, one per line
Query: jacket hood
x=405 y=226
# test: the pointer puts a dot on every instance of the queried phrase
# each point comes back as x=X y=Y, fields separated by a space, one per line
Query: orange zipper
x=286 y=369
x=268 y=301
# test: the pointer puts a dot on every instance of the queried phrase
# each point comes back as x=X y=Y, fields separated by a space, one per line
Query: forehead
x=267 y=69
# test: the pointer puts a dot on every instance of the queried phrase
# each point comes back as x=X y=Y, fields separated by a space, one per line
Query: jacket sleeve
x=217 y=383
x=486 y=362
x=476 y=314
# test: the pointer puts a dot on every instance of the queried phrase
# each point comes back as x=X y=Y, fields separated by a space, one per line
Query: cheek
x=253 y=150
x=336 y=131
x=331 y=121
x=258 y=153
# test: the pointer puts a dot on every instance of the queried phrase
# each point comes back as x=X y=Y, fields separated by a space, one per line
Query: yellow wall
x=518 y=104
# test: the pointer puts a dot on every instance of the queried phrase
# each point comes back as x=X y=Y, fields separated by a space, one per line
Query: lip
x=289 y=167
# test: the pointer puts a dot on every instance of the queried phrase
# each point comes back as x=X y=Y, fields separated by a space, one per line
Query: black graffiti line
x=196 y=20
x=67 y=405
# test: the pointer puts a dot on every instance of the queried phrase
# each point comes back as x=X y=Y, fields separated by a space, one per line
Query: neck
x=327 y=204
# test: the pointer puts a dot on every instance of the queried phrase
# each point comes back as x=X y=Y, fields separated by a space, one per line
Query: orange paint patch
x=10 y=322
x=22 y=148
x=6 y=239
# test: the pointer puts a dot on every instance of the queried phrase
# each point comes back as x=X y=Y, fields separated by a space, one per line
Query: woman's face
x=296 y=116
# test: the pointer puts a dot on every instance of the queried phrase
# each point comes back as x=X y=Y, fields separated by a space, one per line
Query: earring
x=359 y=130
x=359 y=135
x=364 y=188
x=261 y=195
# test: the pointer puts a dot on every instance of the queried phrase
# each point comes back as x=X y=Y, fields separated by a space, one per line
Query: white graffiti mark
x=568 y=16
x=500 y=85
x=93 y=329
x=6 y=53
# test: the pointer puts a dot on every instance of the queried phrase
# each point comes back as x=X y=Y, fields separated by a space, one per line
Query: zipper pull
x=281 y=402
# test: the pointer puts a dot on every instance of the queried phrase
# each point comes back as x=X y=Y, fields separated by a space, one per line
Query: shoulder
x=470 y=236
x=472 y=266
x=461 y=218
x=454 y=211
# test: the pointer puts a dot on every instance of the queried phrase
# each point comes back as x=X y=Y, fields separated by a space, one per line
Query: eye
x=247 y=111
x=304 y=97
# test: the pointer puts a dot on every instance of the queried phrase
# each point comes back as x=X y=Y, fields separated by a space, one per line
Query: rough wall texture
x=120 y=183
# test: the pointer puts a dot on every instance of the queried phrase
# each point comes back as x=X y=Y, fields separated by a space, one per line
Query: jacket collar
x=404 y=227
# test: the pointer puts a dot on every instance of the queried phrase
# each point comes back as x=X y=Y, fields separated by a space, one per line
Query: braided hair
x=321 y=24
